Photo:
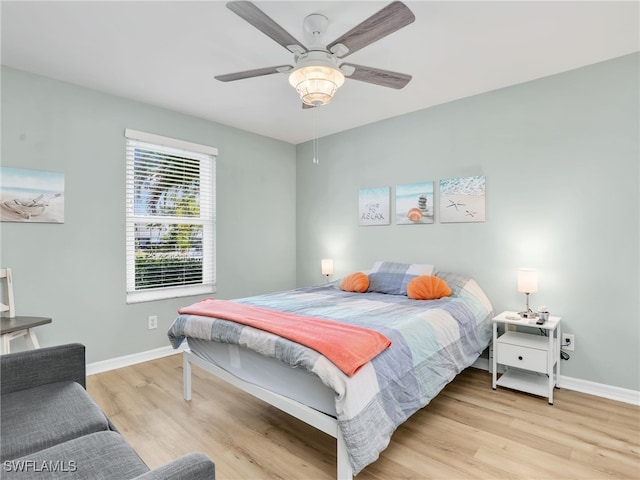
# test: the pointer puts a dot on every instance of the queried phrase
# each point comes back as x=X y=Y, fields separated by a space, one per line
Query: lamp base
x=528 y=314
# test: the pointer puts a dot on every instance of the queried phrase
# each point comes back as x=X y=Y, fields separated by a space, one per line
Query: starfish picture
x=463 y=199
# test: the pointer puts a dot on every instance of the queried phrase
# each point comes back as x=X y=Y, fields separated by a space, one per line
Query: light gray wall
x=561 y=161
x=75 y=272
x=562 y=164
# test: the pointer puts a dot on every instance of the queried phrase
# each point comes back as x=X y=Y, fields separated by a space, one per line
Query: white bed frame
x=321 y=421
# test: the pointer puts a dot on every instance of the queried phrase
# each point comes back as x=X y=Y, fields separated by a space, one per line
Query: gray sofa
x=51 y=428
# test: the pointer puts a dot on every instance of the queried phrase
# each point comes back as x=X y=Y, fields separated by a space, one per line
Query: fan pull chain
x=316 y=160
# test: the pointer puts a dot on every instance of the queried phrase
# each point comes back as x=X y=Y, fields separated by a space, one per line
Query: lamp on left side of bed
x=327 y=267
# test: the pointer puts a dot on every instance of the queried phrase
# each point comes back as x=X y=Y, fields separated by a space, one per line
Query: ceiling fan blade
x=256 y=17
x=378 y=76
x=258 y=72
x=388 y=20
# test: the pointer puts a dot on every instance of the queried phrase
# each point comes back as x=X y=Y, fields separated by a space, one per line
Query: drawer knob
x=519 y=357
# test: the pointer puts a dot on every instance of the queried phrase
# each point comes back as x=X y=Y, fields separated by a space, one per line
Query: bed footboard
x=319 y=420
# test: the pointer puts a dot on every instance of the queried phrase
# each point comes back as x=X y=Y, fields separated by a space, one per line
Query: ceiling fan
x=319 y=70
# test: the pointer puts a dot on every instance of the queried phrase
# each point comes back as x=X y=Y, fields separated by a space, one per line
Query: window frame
x=207 y=157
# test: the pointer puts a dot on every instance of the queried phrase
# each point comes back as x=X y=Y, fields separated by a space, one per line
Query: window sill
x=168 y=292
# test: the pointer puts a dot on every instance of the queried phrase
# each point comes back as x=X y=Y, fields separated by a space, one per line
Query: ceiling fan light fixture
x=316 y=84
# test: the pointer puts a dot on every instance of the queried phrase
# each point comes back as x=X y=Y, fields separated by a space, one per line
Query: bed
x=431 y=341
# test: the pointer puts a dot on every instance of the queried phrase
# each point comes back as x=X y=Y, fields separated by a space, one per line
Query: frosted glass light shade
x=527 y=280
x=327 y=266
x=316 y=84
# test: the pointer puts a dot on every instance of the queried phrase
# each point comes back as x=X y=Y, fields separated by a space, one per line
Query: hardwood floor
x=469 y=431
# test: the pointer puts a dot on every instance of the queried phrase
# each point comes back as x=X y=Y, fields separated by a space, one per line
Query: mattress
x=268 y=373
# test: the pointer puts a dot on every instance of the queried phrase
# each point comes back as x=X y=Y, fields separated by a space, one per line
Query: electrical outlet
x=153 y=322
x=568 y=342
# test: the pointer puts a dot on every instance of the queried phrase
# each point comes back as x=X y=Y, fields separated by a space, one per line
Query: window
x=170 y=217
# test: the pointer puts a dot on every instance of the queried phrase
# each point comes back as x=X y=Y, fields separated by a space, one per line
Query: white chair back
x=7 y=304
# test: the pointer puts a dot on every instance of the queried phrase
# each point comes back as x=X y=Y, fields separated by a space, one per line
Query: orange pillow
x=356 y=282
x=427 y=287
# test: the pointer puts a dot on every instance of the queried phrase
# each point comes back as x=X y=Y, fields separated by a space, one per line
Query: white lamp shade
x=316 y=84
x=327 y=266
x=527 y=280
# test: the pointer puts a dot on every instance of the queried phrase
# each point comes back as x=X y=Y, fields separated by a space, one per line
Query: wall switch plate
x=568 y=342
x=153 y=322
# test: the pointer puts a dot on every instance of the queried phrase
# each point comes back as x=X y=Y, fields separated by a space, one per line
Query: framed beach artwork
x=414 y=203
x=31 y=196
x=373 y=206
x=462 y=199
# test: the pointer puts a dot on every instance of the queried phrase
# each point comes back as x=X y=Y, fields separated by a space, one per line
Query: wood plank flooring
x=468 y=432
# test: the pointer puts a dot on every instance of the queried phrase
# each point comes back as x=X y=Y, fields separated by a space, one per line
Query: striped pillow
x=392 y=277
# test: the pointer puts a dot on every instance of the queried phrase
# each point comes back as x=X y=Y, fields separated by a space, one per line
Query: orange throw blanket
x=349 y=347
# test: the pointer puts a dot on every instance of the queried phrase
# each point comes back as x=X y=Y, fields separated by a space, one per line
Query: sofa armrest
x=32 y=368
x=194 y=466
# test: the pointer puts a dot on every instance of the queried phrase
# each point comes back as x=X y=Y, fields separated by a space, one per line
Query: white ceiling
x=167 y=53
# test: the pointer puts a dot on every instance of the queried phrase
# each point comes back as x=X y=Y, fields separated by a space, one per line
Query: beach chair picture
x=31 y=196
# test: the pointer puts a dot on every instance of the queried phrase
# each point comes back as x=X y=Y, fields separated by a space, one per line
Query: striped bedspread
x=432 y=341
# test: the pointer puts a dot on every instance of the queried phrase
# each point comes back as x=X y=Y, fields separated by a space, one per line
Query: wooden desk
x=14 y=327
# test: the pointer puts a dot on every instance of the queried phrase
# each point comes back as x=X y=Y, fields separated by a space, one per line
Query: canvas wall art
x=31 y=196
x=374 y=206
x=462 y=199
x=414 y=203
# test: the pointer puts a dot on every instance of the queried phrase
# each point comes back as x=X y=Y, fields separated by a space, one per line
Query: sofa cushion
x=97 y=456
x=44 y=416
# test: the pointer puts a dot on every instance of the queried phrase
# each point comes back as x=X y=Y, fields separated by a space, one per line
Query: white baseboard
x=482 y=364
x=127 y=360
x=600 y=390
x=585 y=386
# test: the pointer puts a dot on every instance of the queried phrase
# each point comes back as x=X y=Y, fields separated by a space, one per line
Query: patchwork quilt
x=431 y=342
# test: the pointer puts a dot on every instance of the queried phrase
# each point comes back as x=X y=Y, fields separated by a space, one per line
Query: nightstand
x=532 y=361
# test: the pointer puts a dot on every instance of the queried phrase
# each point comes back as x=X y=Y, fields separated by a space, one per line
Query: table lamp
x=527 y=283
x=327 y=267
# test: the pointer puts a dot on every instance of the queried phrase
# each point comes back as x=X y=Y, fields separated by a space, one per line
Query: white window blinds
x=170 y=217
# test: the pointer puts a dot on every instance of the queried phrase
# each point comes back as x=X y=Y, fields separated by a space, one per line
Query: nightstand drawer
x=522 y=357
